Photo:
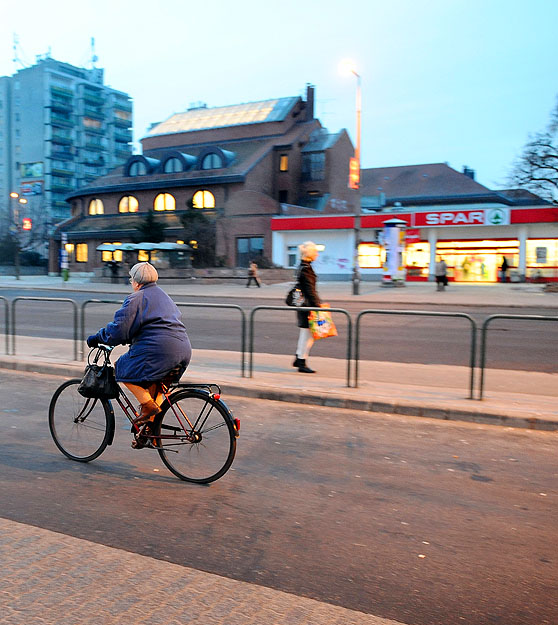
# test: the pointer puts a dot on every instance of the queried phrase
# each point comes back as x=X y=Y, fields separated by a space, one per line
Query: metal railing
x=82 y=319
x=45 y=299
x=6 y=322
x=484 y=331
x=419 y=313
x=292 y=309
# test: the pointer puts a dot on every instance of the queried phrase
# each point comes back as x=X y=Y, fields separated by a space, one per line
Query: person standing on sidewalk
x=441 y=274
x=307 y=284
x=504 y=269
x=253 y=274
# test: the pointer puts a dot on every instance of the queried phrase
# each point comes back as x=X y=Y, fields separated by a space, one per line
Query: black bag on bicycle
x=99 y=381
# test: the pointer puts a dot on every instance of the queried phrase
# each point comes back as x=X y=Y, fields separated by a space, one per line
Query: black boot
x=298 y=362
x=303 y=368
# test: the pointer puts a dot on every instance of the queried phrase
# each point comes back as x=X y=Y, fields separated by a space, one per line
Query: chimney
x=309 y=102
x=468 y=172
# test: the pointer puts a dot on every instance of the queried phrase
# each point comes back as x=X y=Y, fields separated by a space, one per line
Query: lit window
x=107 y=256
x=128 y=204
x=203 y=199
x=137 y=168
x=69 y=250
x=164 y=202
x=212 y=161
x=284 y=162
x=143 y=256
x=81 y=253
x=96 y=207
x=173 y=165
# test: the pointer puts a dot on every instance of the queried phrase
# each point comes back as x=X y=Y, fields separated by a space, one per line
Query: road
x=421 y=521
x=528 y=346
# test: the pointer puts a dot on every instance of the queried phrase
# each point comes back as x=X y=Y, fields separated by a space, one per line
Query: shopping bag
x=321 y=324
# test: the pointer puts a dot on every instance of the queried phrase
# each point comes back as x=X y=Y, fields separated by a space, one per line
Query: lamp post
x=354 y=174
x=16 y=227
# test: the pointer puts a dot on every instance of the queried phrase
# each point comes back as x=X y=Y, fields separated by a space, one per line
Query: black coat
x=307 y=284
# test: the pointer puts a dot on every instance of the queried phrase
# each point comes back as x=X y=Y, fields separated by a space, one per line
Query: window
x=81 y=252
x=69 y=250
x=283 y=196
x=137 y=168
x=108 y=256
x=96 y=207
x=203 y=199
x=128 y=204
x=247 y=249
x=313 y=166
x=284 y=162
x=292 y=255
x=212 y=161
x=173 y=165
x=164 y=202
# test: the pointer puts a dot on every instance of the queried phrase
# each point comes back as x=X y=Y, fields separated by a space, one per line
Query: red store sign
x=477 y=217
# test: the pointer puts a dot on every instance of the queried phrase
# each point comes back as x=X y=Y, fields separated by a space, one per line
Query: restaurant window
x=164 y=202
x=284 y=162
x=128 y=204
x=203 y=199
x=81 y=253
x=96 y=207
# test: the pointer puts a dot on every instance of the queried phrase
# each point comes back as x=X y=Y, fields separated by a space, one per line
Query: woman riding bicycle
x=150 y=322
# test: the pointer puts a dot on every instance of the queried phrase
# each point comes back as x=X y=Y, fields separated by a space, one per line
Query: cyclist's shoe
x=147 y=412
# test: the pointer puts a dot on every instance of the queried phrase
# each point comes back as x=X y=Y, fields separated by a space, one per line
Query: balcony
x=55 y=90
x=122 y=137
x=122 y=123
x=60 y=120
x=62 y=155
x=62 y=105
x=61 y=139
x=59 y=187
x=119 y=105
x=62 y=172
x=123 y=154
x=93 y=98
x=94 y=146
x=95 y=113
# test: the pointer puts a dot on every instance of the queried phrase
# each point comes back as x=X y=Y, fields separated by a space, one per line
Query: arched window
x=128 y=204
x=203 y=199
x=212 y=161
x=173 y=165
x=137 y=168
x=164 y=202
x=96 y=207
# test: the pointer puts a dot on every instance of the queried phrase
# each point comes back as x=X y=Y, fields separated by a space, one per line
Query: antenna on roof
x=16 y=48
x=94 y=58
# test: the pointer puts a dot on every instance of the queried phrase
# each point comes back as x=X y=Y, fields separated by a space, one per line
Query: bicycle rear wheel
x=80 y=427
x=197 y=436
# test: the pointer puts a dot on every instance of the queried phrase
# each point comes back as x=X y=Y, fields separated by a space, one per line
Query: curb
x=409 y=409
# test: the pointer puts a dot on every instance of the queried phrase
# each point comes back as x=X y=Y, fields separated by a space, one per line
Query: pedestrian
x=504 y=269
x=441 y=274
x=113 y=267
x=307 y=284
x=150 y=322
x=253 y=274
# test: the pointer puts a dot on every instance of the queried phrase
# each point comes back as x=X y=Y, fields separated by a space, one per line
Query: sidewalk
x=434 y=391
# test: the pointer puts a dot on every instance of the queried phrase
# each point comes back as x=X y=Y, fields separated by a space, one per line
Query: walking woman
x=307 y=284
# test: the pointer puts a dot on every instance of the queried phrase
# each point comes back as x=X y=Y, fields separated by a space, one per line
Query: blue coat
x=150 y=321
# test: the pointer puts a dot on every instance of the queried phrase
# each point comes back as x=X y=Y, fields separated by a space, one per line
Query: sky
x=442 y=80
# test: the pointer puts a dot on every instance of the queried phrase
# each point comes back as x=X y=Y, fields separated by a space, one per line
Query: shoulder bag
x=99 y=381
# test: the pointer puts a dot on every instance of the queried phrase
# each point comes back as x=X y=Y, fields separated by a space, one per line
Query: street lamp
x=348 y=67
x=16 y=229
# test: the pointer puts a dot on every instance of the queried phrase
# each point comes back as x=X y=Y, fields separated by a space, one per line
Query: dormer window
x=137 y=168
x=173 y=165
x=212 y=161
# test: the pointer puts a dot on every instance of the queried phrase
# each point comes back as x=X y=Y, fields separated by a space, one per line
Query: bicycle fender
x=111 y=425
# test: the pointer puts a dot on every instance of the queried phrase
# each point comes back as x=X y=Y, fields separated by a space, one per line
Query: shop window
x=247 y=249
x=212 y=161
x=371 y=256
x=137 y=168
x=81 y=253
x=203 y=199
x=164 y=202
x=284 y=162
x=96 y=207
x=173 y=165
x=128 y=204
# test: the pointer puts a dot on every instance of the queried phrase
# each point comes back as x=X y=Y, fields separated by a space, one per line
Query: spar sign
x=476 y=217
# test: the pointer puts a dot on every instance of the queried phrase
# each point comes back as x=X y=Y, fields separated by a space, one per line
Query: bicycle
x=195 y=433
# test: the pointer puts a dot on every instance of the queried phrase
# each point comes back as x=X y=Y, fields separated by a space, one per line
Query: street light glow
x=347 y=67
x=22 y=200
x=14 y=195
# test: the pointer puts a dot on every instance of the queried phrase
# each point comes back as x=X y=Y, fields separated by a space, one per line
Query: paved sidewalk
x=52 y=579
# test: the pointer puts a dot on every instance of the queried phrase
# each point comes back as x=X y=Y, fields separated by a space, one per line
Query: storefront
x=472 y=241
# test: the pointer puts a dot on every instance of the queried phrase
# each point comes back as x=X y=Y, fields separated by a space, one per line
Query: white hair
x=307 y=250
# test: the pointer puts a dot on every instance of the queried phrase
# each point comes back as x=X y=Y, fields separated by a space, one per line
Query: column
x=432 y=240
x=522 y=267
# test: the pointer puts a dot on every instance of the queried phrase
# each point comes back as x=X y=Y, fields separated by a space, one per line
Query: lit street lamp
x=16 y=227
x=348 y=67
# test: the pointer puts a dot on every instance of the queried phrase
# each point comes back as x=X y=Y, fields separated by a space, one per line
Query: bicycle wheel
x=80 y=427
x=197 y=436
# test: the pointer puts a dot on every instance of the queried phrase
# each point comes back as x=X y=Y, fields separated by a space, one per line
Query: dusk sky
x=442 y=80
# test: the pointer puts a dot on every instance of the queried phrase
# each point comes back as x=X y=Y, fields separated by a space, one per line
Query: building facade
x=237 y=165
x=60 y=128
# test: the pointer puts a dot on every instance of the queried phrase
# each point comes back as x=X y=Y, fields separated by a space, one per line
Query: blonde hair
x=307 y=250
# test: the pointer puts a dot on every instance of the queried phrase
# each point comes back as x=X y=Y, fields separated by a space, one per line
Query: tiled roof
x=114 y=224
x=223 y=116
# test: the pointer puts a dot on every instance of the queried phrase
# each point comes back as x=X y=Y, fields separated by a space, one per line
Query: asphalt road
x=421 y=521
x=528 y=346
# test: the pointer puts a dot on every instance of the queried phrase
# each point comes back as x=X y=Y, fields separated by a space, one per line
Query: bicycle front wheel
x=196 y=437
x=80 y=426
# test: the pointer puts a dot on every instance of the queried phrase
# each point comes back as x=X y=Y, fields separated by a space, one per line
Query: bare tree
x=537 y=168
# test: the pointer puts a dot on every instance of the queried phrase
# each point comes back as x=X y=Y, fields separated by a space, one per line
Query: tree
x=149 y=230
x=537 y=168
x=199 y=233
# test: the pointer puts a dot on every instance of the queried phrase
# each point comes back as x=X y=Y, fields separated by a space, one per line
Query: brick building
x=238 y=165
